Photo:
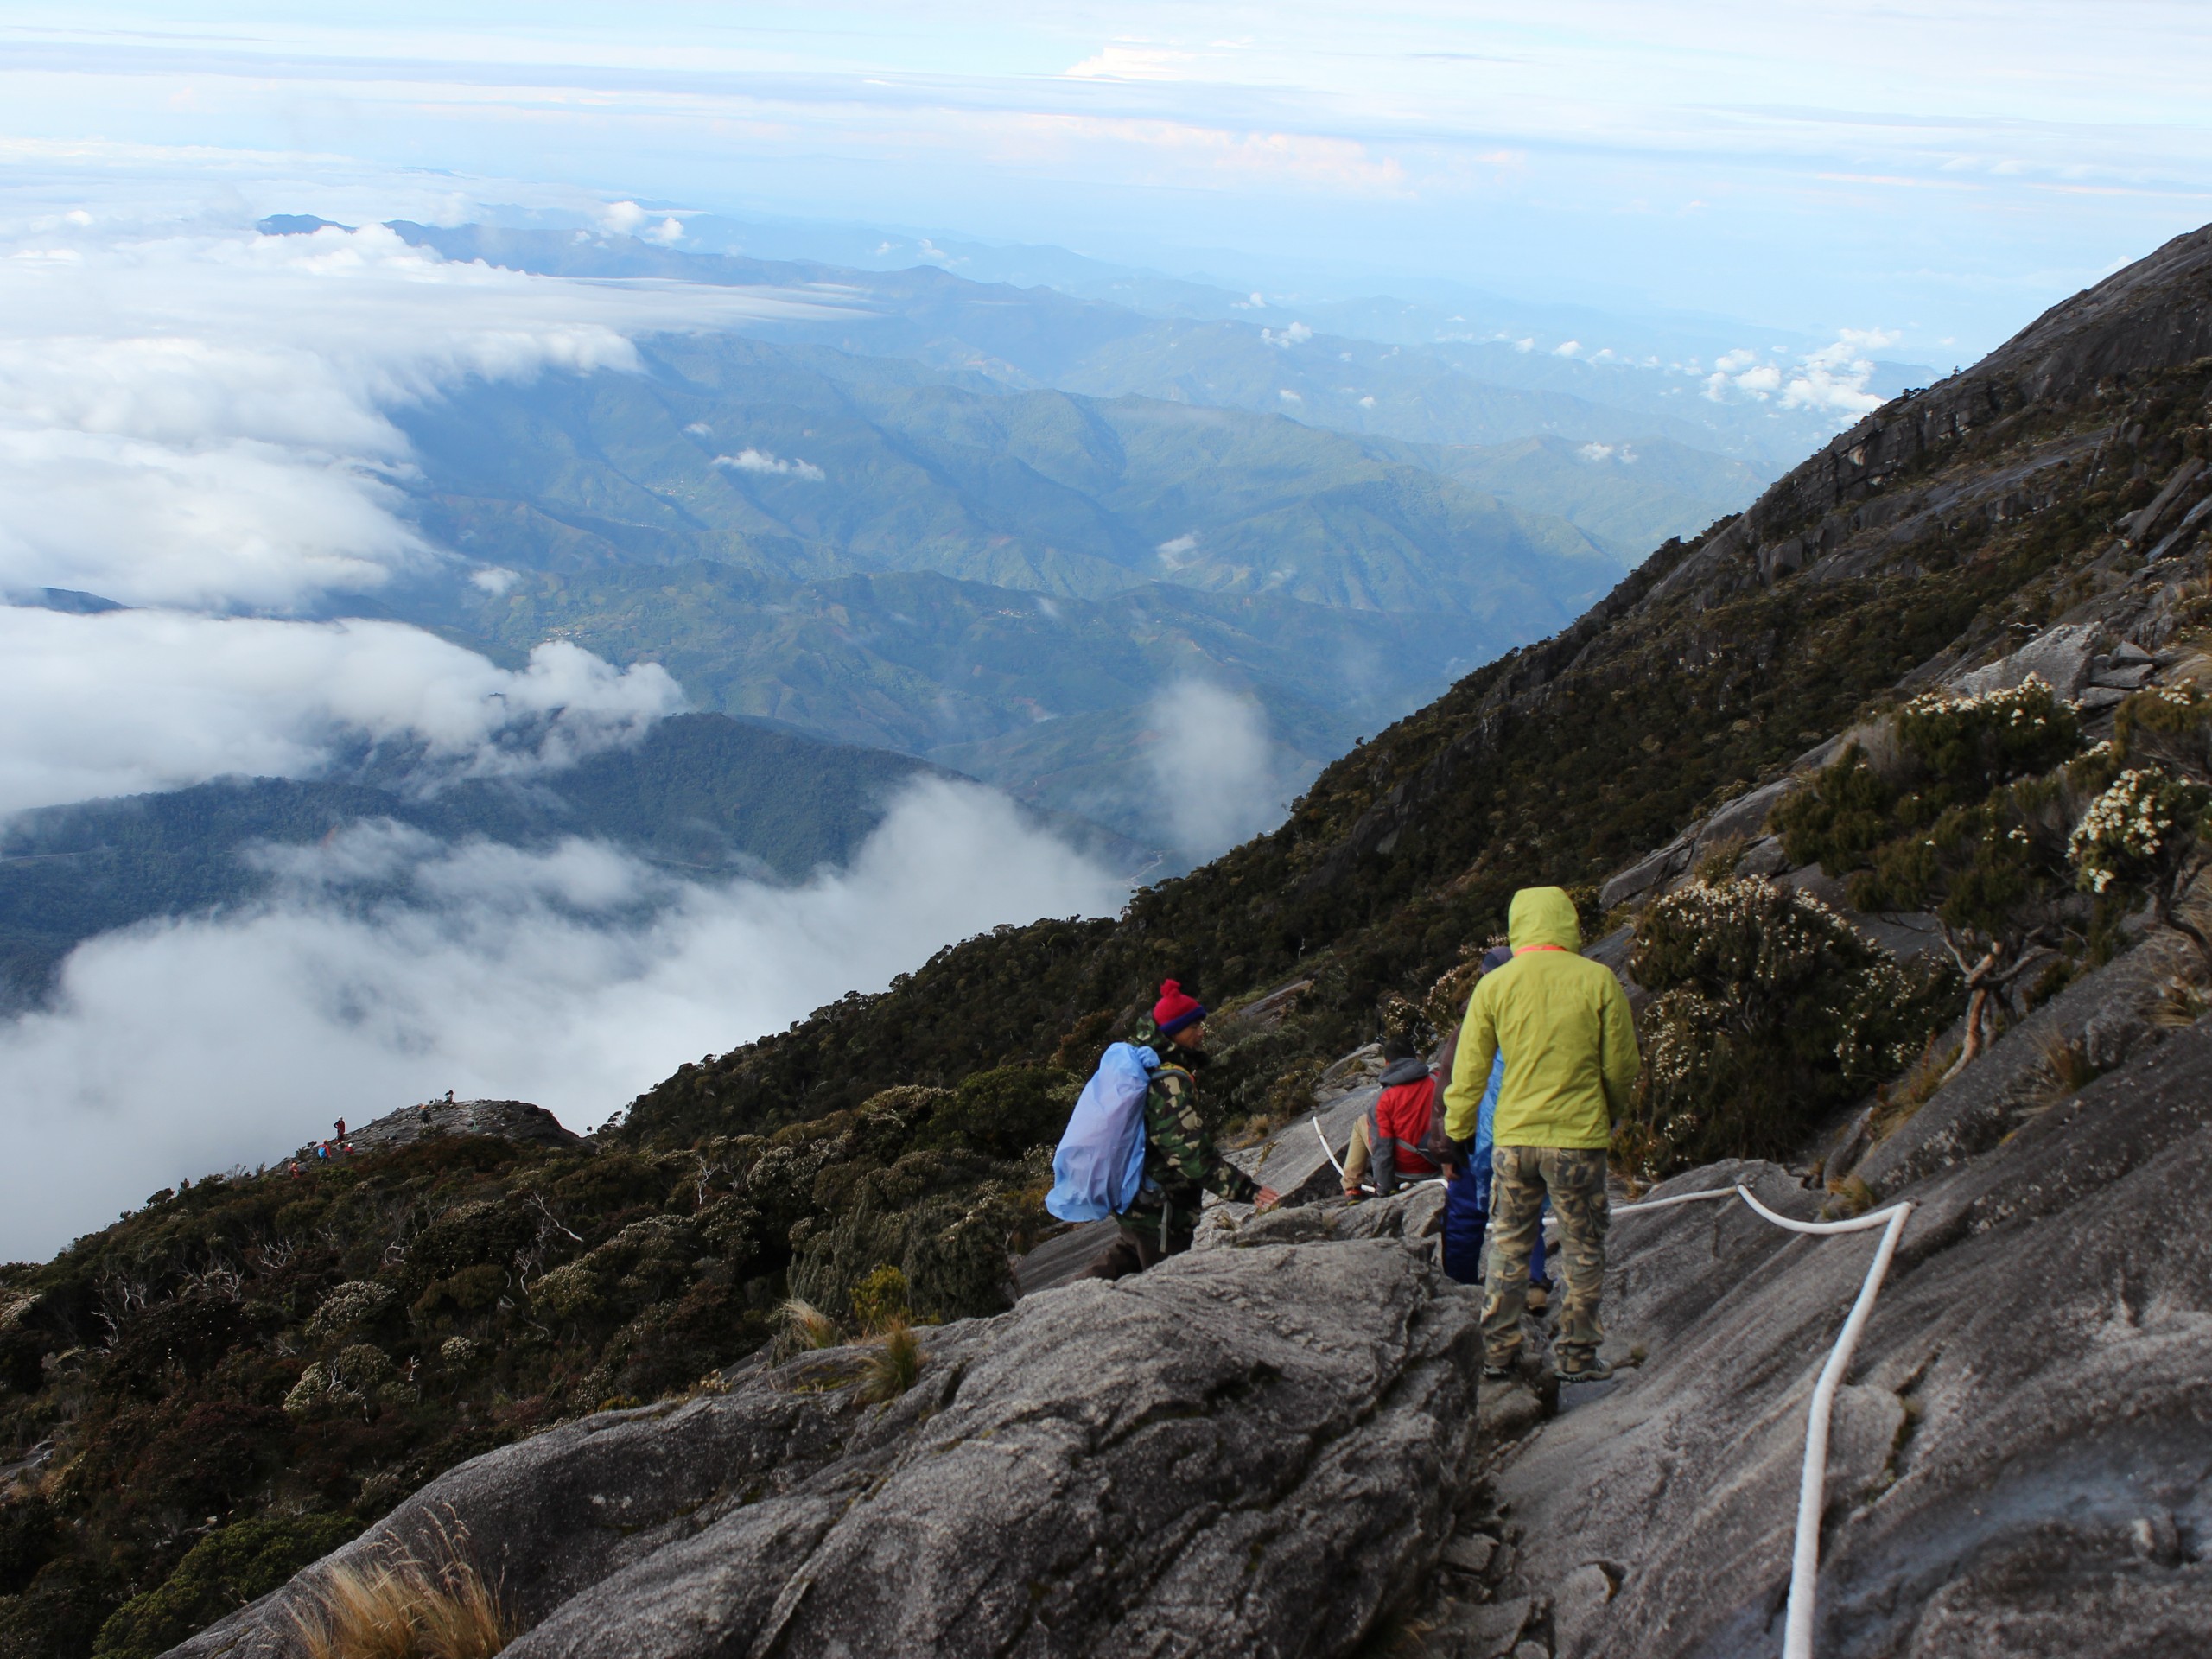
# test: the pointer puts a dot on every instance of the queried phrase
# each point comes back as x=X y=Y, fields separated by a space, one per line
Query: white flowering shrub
x=355 y=1302
x=1770 y=1010
x=2168 y=727
x=1975 y=743
x=567 y=1292
x=1943 y=753
x=310 y=1394
x=2136 y=830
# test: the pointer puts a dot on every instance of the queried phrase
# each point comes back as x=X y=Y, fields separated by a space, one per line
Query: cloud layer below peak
x=132 y=701
x=200 y=419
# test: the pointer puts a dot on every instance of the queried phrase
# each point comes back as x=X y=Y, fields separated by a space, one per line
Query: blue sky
x=1939 y=170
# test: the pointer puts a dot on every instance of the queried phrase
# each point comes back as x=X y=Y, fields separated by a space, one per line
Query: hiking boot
x=1504 y=1373
x=1587 y=1368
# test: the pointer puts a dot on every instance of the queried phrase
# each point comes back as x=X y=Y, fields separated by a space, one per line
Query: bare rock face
x=1249 y=1451
x=509 y=1120
x=2021 y=1459
x=1833 y=515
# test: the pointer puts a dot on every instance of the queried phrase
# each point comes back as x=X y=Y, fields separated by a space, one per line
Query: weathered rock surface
x=2058 y=657
x=510 y=1120
x=2021 y=1455
x=1253 y=1452
x=1294 y=1159
x=2105 y=1017
x=1065 y=1258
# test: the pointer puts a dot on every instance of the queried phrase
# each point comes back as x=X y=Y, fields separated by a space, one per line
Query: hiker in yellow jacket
x=1562 y=1022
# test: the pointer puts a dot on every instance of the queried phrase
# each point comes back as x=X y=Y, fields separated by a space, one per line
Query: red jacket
x=1405 y=1111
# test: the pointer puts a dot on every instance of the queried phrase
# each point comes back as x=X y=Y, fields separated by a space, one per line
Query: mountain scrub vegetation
x=205 y=1395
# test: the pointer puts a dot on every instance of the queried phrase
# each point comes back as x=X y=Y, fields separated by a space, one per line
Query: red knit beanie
x=1174 y=1010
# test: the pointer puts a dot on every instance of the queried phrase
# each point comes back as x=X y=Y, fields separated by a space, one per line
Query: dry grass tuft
x=806 y=1328
x=1897 y=1103
x=895 y=1361
x=403 y=1608
x=2066 y=1066
x=1850 y=1197
x=2180 y=1002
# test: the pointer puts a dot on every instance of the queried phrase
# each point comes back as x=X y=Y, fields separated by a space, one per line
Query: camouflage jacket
x=1180 y=1158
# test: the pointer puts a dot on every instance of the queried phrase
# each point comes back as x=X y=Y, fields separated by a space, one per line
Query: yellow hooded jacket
x=1562 y=1022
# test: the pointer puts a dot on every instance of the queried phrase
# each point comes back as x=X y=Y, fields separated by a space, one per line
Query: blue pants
x=1466 y=1217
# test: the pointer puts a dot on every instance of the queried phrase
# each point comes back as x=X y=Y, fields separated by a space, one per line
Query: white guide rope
x=1811 y=1481
x=1321 y=1135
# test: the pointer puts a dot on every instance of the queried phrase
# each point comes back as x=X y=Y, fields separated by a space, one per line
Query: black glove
x=1463 y=1153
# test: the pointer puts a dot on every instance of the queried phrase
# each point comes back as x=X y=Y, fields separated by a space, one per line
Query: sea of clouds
x=195 y=424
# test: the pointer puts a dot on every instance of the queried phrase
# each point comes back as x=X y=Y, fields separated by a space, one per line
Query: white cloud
x=700 y=429
x=1290 y=396
x=1297 y=334
x=1367 y=402
x=1178 y=550
x=575 y=978
x=1134 y=60
x=494 y=579
x=1218 y=777
x=1831 y=380
x=1566 y=349
x=758 y=460
x=1596 y=452
x=201 y=419
x=130 y=700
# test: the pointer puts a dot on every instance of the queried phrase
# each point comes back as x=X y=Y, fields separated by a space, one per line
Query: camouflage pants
x=1574 y=1179
x=1145 y=1242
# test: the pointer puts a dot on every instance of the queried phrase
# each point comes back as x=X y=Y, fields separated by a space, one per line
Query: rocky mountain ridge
x=1272 y=1445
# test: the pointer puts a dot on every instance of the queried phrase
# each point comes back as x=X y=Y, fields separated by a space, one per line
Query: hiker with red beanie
x=1181 y=1163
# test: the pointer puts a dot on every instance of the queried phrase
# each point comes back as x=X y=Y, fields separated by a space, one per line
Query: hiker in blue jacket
x=1467 y=1197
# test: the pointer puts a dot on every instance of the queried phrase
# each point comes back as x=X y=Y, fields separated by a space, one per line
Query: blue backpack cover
x=1099 y=1165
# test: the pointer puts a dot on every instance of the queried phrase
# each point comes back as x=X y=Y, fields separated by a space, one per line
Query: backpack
x=1433 y=1145
x=1099 y=1165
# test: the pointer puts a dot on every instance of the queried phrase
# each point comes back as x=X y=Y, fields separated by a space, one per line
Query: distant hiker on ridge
x=1562 y=1022
x=340 y=1126
x=1136 y=1148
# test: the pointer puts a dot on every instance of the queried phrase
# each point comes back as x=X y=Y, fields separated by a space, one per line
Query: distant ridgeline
x=702 y=794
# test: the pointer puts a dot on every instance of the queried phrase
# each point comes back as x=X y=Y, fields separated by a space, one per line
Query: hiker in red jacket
x=1396 y=1126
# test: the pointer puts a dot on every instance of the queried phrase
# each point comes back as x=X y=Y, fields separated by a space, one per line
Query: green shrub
x=1770 y=1010
x=879 y=1301
x=29 y=1539
x=220 y=1574
x=1003 y=1113
x=1973 y=743
x=1838 y=816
